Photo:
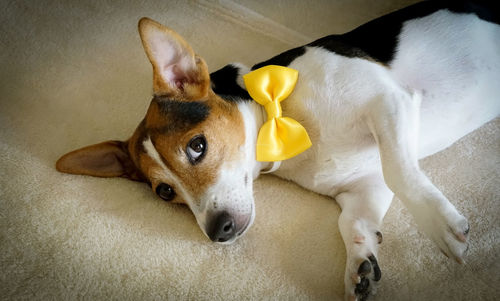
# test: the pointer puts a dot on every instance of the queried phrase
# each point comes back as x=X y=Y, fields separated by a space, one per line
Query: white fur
x=164 y=174
x=370 y=124
x=227 y=195
x=458 y=79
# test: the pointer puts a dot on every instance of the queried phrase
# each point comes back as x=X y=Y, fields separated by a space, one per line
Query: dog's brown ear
x=177 y=70
x=106 y=159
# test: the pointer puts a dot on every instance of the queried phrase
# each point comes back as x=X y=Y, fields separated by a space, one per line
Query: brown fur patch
x=223 y=130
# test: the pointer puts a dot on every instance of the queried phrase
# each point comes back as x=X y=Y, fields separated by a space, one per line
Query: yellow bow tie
x=280 y=138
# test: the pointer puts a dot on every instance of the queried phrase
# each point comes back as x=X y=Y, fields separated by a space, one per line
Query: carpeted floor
x=74 y=73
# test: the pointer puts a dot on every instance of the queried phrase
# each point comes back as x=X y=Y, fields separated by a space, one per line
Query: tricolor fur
x=373 y=100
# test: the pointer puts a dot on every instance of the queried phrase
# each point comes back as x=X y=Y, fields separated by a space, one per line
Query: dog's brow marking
x=169 y=175
x=181 y=115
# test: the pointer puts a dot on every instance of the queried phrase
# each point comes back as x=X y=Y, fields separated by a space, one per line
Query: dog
x=374 y=101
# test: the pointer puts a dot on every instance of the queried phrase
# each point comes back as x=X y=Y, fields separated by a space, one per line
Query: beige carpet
x=73 y=73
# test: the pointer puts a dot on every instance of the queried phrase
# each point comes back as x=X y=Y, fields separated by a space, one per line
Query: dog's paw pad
x=377 y=273
x=364 y=280
x=362 y=289
x=364 y=268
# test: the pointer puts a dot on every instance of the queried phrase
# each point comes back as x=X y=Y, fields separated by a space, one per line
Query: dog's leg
x=363 y=208
x=393 y=120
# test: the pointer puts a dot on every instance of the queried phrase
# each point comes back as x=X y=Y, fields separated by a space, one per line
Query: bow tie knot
x=280 y=138
x=273 y=109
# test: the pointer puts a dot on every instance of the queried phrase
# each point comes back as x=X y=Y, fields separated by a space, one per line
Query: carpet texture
x=74 y=73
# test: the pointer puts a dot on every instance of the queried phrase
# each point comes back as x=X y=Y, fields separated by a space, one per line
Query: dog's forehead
x=166 y=115
x=165 y=118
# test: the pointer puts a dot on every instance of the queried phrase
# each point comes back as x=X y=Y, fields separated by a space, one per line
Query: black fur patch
x=378 y=38
x=224 y=83
x=337 y=44
x=180 y=115
x=283 y=59
x=486 y=10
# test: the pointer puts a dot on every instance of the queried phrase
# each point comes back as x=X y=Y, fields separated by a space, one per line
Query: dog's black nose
x=222 y=228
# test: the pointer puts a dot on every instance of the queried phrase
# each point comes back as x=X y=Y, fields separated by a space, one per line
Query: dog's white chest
x=327 y=101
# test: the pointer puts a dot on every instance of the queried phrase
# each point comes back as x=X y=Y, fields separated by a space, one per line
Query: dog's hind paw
x=364 y=281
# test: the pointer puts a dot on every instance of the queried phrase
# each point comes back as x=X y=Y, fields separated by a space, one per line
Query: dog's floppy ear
x=177 y=70
x=106 y=159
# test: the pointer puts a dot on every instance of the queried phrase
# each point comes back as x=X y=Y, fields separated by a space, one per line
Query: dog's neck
x=254 y=117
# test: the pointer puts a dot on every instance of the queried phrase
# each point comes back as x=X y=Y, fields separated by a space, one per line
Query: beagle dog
x=374 y=101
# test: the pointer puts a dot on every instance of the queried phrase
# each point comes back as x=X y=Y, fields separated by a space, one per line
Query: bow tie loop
x=280 y=138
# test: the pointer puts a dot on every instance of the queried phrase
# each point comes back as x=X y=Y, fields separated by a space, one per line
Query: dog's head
x=192 y=146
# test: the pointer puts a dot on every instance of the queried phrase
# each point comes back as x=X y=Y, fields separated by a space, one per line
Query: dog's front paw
x=363 y=280
x=448 y=229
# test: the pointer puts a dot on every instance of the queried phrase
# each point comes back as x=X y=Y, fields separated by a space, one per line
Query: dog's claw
x=444 y=253
x=462 y=236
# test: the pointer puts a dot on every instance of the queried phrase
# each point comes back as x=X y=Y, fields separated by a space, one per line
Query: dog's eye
x=196 y=149
x=165 y=192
